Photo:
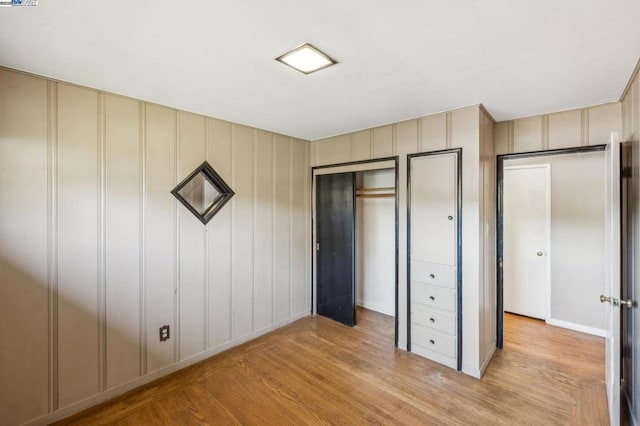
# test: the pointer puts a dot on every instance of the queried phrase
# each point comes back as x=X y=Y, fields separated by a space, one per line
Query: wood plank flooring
x=316 y=371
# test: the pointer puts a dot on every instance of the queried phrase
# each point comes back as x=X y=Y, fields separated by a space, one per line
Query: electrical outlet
x=164 y=333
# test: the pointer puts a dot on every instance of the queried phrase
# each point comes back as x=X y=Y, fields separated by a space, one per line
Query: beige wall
x=471 y=129
x=631 y=108
x=578 y=127
x=96 y=254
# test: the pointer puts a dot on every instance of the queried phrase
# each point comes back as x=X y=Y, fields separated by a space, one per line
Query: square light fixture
x=306 y=59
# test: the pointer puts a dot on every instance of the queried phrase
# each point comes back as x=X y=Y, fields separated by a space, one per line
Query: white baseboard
x=578 y=327
x=375 y=307
x=488 y=358
x=119 y=390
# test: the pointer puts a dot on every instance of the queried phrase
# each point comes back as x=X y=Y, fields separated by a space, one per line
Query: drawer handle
x=432 y=342
x=432 y=298
x=432 y=276
x=432 y=320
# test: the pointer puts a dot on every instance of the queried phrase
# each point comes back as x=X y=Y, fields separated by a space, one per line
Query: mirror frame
x=226 y=193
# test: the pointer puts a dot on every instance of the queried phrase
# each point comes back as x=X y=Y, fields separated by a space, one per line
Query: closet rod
x=375 y=195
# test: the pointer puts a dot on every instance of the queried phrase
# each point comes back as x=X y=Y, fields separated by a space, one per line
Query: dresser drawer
x=433 y=318
x=431 y=295
x=430 y=274
x=433 y=340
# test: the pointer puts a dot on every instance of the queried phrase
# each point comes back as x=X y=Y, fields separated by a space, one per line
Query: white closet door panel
x=122 y=239
x=433 y=209
x=192 y=243
x=220 y=238
x=160 y=235
x=77 y=243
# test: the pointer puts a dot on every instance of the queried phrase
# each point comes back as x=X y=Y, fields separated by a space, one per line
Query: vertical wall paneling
x=77 y=245
x=465 y=128
x=96 y=254
x=281 y=282
x=502 y=137
x=406 y=137
x=242 y=287
x=527 y=134
x=52 y=240
x=565 y=129
x=142 y=257
x=192 y=244
x=176 y=240
x=159 y=220
x=343 y=149
x=220 y=158
x=382 y=143
x=24 y=330
x=433 y=133
x=586 y=126
x=308 y=243
x=263 y=234
x=207 y=271
x=298 y=228
x=122 y=240
x=599 y=129
x=102 y=243
x=326 y=151
x=488 y=195
x=361 y=145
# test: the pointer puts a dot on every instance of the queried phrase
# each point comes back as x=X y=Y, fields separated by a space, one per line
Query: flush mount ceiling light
x=306 y=59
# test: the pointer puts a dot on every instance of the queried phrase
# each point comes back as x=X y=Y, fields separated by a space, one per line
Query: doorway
x=355 y=235
x=566 y=265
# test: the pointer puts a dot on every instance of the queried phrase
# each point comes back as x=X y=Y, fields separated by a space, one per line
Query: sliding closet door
x=434 y=217
x=335 y=246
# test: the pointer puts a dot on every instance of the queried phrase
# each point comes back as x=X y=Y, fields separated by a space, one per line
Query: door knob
x=539 y=253
x=613 y=300
x=628 y=303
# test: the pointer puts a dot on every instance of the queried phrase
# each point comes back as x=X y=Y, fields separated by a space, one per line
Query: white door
x=527 y=220
x=612 y=350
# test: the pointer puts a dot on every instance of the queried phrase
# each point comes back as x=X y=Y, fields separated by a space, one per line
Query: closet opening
x=551 y=263
x=355 y=238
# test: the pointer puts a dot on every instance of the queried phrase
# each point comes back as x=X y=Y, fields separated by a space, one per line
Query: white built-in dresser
x=434 y=255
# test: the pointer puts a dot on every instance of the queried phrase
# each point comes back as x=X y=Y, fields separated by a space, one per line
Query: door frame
x=547 y=284
x=348 y=167
x=500 y=221
x=458 y=152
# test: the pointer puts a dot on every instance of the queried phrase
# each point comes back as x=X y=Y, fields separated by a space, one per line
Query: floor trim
x=578 y=327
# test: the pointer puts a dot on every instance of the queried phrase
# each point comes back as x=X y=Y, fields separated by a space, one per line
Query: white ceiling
x=398 y=59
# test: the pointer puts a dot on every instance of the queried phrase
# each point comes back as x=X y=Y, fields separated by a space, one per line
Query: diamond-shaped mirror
x=203 y=192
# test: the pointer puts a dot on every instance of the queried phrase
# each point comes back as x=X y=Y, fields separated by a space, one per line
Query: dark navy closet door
x=335 y=247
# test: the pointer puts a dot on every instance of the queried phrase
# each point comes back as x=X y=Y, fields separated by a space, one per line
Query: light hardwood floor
x=318 y=371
